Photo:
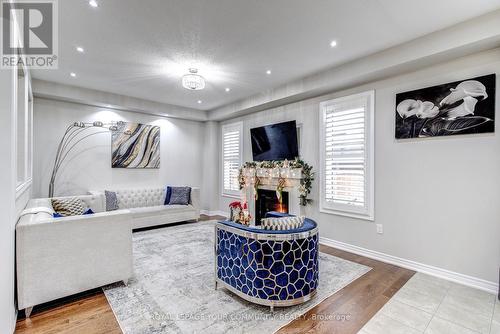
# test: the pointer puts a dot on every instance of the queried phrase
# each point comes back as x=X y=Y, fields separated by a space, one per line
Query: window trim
x=224 y=128
x=27 y=162
x=367 y=212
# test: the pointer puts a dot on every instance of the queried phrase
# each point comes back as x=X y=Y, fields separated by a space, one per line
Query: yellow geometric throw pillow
x=68 y=206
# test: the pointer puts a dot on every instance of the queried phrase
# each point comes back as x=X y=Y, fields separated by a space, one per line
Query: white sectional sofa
x=147 y=208
x=58 y=257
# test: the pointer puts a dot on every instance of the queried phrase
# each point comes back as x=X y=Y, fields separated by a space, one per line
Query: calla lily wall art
x=461 y=107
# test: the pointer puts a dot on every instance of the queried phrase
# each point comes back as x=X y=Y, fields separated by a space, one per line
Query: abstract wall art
x=461 y=107
x=135 y=145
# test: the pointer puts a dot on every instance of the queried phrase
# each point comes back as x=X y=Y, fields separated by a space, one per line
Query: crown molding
x=479 y=34
x=66 y=93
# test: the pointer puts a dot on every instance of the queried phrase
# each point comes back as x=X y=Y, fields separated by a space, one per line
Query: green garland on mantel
x=305 y=181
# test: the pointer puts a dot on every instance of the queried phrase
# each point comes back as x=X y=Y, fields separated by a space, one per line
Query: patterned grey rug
x=173 y=289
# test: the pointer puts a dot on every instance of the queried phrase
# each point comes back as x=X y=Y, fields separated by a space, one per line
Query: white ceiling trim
x=74 y=94
x=479 y=34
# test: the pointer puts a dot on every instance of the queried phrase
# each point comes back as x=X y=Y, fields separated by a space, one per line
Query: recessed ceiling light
x=80 y=49
x=333 y=44
x=93 y=3
x=73 y=74
x=199 y=101
x=228 y=89
x=268 y=72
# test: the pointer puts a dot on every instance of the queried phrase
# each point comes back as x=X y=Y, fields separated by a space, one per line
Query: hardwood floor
x=89 y=314
x=348 y=310
x=344 y=312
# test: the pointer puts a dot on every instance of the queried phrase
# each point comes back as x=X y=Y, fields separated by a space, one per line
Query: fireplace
x=268 y=201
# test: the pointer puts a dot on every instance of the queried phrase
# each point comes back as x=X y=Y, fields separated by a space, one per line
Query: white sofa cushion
x=141 y=197
x=75 y=254
x=160 y=210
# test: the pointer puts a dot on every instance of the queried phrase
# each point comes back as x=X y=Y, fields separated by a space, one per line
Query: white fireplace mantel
x=268 y=179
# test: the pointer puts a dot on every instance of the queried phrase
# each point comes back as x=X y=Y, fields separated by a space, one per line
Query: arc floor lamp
x=75 y=134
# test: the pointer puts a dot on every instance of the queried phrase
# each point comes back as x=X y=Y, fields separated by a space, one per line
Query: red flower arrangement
x=238 y=205
x=235 y=205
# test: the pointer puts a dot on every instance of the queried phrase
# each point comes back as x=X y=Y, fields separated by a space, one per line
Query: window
x=231 y=157
x=24 y=131
x=21 y=121
x=346 y=156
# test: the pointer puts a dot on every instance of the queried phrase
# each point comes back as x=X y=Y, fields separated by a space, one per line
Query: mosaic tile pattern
x=268 y=269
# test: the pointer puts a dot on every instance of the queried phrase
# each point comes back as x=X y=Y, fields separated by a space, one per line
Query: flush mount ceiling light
x=93 y=3
x=193 y=81
x=333 y=44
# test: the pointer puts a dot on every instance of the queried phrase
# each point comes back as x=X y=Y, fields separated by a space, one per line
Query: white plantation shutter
x=346 y=144
x=231 y=157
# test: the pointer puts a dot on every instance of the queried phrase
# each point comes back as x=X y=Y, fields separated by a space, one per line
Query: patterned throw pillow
x=68 y=206
x=282 y=223
x=111 y=200
x=58 y=215
x=180 y=195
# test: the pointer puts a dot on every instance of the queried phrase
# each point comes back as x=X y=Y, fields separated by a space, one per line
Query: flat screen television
x=275 y=142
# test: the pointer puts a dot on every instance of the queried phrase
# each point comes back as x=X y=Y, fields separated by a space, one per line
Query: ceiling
x=142 y=48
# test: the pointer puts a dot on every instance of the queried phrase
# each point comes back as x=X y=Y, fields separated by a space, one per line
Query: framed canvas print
x=135 y=145
x=460 y=107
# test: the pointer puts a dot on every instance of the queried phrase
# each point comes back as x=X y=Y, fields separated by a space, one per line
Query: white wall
x=12 y=200
x=438 y=199
x=210 y=168
x=90 y=166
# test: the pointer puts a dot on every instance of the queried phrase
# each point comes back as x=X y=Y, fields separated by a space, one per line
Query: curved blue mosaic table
x=272 y=268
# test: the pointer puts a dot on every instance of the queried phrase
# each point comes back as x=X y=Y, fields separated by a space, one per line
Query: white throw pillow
x=282 y=223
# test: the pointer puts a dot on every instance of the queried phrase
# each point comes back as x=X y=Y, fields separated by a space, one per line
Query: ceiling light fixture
x=199 y=101
x=93 y=3
x=73 y=74
x=268 y=72
x=193 y=81
x=333 y=44
x=80 y=49
x=228 y=89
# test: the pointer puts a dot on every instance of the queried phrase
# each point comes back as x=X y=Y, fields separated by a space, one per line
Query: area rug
x=173 y=288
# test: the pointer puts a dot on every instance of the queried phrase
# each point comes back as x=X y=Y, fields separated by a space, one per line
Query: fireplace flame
x=282 y=208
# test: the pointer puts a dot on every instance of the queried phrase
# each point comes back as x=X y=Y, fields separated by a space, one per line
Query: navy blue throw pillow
x=180 y=195
x=57 y=215
x=89 y=212
x=168 y=195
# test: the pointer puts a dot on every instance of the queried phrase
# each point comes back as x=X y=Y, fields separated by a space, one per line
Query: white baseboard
x=213 y=213
x=473 y=282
